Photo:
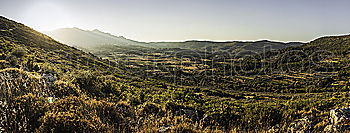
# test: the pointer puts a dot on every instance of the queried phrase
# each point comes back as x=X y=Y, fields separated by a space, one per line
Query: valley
x=192 y=86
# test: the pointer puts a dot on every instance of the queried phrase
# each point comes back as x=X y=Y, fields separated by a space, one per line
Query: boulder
x=300 y=126
x=340 y=121
x=340 y=116
x=49 y=77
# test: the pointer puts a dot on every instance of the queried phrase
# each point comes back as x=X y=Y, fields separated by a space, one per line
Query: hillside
x=90 y=94
x=47 y=86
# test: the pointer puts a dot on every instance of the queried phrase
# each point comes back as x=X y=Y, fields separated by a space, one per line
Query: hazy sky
x=155 y=20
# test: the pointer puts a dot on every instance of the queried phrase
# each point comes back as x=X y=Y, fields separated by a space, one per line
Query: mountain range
x=95 y=39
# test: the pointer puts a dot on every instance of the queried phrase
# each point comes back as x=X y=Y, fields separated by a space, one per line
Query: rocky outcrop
x=340 y=120
x=300 y=126
x=340 y=116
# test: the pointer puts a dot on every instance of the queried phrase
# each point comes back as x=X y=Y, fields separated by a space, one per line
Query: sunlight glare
x=45 y=16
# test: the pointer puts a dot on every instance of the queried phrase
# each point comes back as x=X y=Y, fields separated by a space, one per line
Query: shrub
x=19 y=52
x=62 y=88
x=151 y=109
x=82 y=114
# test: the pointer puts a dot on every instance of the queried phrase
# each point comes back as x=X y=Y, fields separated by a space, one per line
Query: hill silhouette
x=89 y=39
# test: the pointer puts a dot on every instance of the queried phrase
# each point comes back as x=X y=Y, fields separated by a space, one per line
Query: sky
x=175 y=20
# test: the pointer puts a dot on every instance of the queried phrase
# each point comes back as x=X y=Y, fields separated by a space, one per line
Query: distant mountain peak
x=264 y=41
x=75 y=28
x=106 y=33
x=96 y=30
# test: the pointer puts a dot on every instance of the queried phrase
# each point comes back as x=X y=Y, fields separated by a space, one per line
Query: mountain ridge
x=83 y=39
x=151 y=42
x=87 y=39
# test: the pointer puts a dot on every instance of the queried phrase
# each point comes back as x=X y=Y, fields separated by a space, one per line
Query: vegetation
x=47 y=86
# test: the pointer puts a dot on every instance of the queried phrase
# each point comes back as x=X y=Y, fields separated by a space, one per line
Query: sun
x=47 y=15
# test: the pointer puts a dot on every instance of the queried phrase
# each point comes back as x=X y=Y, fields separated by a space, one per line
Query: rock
x=49 y=77
x=340 y=116
x=340 y=121
x=337 y=128
x=164 y=128
x=300 y=126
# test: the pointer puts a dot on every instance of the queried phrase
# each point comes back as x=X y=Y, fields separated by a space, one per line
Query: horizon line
x=201 y=40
